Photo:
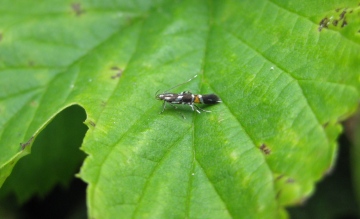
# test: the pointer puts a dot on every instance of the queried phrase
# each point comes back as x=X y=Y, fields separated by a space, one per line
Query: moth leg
x=194 y=107
x=164 y=104
x=182 y=115
x=198 y=108
x=163 y=107
x=173 y=105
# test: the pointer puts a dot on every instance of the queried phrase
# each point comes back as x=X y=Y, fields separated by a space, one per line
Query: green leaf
x=54 y=159
x=285 y=76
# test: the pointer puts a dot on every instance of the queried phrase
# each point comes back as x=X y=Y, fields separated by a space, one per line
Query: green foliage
x=285 y=76
x=54 y=159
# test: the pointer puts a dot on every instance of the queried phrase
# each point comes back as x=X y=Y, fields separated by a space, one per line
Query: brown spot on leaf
x=118 y=72
x=1 y=37
x=34 y=103
x=265 y=149
x=279 y=177
x=77 y=9
x=344 y=23
x=278 y=194
x=290 y=180
x=23 y=145
x=117 y=75
x=92 y=123
x=342 y=15
x=31 y=63
x=335 y=22
x=323 y=23
x=115 y=68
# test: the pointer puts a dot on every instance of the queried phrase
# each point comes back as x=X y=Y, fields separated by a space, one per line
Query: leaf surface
x=284 y=75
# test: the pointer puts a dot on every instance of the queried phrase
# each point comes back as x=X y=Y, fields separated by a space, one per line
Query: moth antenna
x=181 y=84
x=156 y=93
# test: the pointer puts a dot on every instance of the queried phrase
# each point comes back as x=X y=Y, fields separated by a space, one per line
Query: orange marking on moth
x=197 y=99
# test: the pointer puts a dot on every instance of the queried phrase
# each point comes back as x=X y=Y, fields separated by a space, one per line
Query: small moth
x=188 y=98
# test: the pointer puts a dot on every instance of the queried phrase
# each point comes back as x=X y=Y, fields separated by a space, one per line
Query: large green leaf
x=285 y=71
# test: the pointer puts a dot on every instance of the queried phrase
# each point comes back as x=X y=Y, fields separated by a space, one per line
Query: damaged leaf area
x=284 y=85
x=340 y=18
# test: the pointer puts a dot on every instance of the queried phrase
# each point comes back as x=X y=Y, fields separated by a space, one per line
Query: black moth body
x=188 y=98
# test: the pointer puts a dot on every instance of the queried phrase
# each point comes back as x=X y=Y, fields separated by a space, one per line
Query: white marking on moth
x=201 y=99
